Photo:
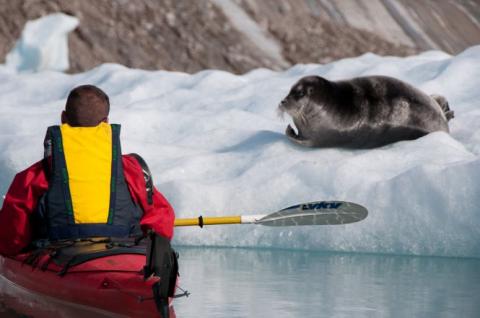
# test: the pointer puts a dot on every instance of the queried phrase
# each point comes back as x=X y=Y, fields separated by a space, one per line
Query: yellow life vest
x=88 y=155
x=87 y=195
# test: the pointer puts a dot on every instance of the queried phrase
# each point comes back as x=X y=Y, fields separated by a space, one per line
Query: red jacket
x=29 y=185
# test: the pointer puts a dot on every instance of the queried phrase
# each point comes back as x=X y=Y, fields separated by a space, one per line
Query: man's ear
x=64 y=117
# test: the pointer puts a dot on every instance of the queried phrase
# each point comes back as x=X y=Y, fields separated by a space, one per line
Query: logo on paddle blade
x=317 y=206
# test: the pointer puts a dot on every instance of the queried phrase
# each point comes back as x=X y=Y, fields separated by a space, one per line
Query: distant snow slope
x=216 y=147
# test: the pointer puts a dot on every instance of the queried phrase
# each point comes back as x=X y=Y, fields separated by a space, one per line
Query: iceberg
x=217 y=147
x=43 y=45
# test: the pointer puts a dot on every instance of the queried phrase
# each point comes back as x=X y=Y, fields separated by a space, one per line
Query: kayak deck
x=92 y=275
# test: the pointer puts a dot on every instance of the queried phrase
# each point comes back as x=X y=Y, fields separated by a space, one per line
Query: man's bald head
x=87 y=106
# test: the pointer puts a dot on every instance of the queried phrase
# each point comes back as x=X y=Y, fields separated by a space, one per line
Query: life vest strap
x=59 y=167
x=114 y=176
x=87 y=230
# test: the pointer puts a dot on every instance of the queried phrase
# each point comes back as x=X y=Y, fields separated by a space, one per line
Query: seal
x=363 y=112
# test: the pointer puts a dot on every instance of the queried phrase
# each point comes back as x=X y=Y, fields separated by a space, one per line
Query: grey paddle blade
x=317 y=213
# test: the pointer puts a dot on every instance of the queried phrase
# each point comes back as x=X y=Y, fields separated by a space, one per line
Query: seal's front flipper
x=442 y=101
x=298 y=138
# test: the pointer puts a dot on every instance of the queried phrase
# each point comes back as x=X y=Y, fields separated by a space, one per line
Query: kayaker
x=83 y=187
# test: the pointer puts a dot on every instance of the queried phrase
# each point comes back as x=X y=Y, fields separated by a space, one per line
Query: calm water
x=231 y=282
x=267 y=283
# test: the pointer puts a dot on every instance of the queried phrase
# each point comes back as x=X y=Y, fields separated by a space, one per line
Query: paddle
x=311 y=213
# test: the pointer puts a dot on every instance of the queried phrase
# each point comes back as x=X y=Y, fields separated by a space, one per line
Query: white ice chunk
x=43 y=44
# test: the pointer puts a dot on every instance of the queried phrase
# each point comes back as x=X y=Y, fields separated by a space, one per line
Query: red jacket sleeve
x=158 y=216
x=20 y=202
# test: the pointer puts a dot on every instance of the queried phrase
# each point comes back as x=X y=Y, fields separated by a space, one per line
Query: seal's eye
x=299 y=94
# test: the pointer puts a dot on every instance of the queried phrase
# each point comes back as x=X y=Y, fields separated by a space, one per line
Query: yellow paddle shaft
x=212 y=220
x=201 y=221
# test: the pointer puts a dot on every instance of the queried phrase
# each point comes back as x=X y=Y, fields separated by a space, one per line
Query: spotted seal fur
x=363 y=112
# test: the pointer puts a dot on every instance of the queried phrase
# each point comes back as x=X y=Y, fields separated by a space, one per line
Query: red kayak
x=92 y=277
